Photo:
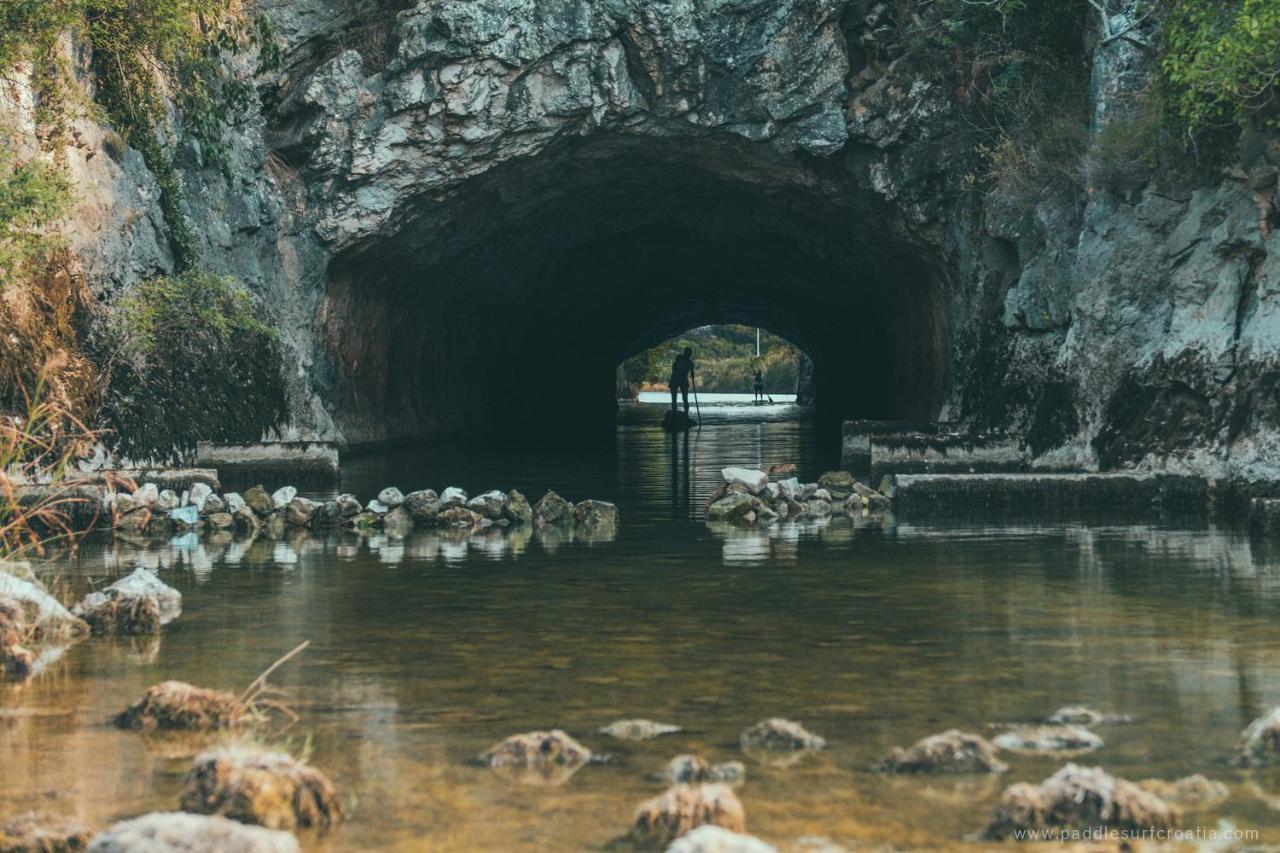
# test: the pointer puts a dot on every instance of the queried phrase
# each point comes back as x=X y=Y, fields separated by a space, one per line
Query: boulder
x=638 y=729
x=751 y=479
x=839 y=484
x=398 y=522
x=179 y=832
x=1079 y=715
x=299 y=512
x=213 y=504
x=683 y=808
x=816 y=507
x=542 y=757
x=1079 y=798
x=518 y=510
x=221 y=520
x=390 y=497
x=596 y=515
x=348 y=505
x=1259 y=743
x=36 y=832
x=43 y=616
x=551 y=509
x=248 y=783
x=694 y=768
x=280 y=497
x=734 y=507
x=1035 y=739
x=247 y=520
x=453 y=496
x=377 y=507
x=167 y=501
x=146 y=495
x=871 y=498
x=492 y=505
x=789 y=488
x=424 y=506
x=328 y=514
x=952 y=751
x=198 y=494
x=716 y=839
x=259 y=501
x=777 y=733
x=234 y=501
x=138 y=603
x=461 y=518
x=177 y=705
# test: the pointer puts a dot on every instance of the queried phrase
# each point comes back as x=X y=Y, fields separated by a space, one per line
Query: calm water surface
x=425 y=651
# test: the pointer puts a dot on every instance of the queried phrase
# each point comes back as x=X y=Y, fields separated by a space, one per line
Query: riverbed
x=873 y=632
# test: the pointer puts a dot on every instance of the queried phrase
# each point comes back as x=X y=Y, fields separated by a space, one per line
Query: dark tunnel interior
x=512 y=301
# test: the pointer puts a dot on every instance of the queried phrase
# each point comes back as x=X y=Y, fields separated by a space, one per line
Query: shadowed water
x=874 y=632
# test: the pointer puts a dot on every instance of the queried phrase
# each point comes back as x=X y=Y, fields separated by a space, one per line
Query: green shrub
x=32 y=196
x=189 y=360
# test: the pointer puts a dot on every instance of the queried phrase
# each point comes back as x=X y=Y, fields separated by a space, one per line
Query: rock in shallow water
x=42 y=614
x=751 y=479
x=390 y=497
x=952 y=751
x=518 y=509
x=596 y=515
x=259 y=501
x=1259 y=743
x=638 y=729
x=695 y=768
x=541 y=757
x=36 y=832
x=1080 y=715
x=1079 y=798
x=139 y=603
x=1072 y=740
x=491 y=505
x=180 y=706
x=551 y=509
x=683 y=808
x=179 y=832
x=251 y=784
x=716 y=839
x=777 y=733
x=280 y=497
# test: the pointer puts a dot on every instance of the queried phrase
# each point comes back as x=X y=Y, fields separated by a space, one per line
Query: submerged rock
x=596 y=515
x=751 y=479
x=179 y=832
x=1259 y=743
x=952 y=751
x=36 y=832
x=1196 y=790
x=716 y=839
x=250 y=784
x=638 y=729
x=682 y=808
x=518 y=509
x=694 y=768
x=541 y=757
x=1061 y=739
x=139 y=603
x=176 y=705
x=551 y=509
x=1078 y=798
x=1079 y=715
x=777 y=733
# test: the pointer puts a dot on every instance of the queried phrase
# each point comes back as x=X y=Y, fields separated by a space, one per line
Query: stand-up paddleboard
x=677 y=421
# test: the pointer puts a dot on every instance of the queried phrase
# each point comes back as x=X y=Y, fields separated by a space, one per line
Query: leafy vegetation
x=33 y=195
x=725 y=357
x=189 y=359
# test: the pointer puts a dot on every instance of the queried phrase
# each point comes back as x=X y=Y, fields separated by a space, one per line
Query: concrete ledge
x=933 y=453
x=855 y=441
x=314 y=459
x=1006 y=491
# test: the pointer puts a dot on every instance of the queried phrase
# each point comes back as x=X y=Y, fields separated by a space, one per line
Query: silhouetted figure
x=759 y=383
x=681 y=374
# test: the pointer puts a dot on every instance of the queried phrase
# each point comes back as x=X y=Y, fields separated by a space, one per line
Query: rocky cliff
x=443 y=201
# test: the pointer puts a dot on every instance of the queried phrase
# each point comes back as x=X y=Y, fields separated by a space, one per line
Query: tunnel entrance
x=510 y=299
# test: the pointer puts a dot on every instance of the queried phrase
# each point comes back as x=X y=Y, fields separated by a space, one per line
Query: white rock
x=199 y=494
x=50 y=614
x=140 y=583
x=235 y=502
x=821 y=495
x=754 y=480
x=709 y=838
x=179 y=832
x=390 y=497
x=790 y=488
x=281 y=497
x=167 y=500
x=378 y=507
x=773 y=490
x=452 y=496
x=146 y=495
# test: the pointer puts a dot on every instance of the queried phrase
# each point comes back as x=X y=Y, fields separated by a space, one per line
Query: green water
x=427 y=650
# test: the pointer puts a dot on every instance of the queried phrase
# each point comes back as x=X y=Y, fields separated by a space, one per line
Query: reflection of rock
x=553 y=537
x=952 y=751
x=1197 y=791
x=638 y=729
x=683 y=808
x=1070 y=740
x=179 y=832
x=947 y=789
x=252 y=785
x=1078 y=798
x=694 y=768
x=182 y=706
x=542 y=757
x=716 y=839
x=1259 y=743
x=779 y=734
x=43 y=833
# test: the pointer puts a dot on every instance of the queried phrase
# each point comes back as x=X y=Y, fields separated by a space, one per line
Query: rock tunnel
x=509 y=300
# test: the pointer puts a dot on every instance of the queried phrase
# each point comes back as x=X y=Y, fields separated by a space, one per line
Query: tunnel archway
x=543 y=273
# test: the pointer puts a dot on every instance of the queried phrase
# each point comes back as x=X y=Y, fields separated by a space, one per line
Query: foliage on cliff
x=33 y=195
x=725 y=357
x=189 y=359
